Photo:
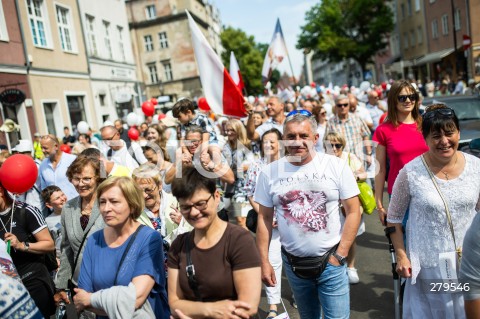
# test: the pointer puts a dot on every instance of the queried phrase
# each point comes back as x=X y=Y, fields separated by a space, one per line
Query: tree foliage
x=341 y=29
x=249 y=57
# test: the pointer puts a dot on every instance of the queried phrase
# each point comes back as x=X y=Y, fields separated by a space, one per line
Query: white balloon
x=132 y=119
x=251 y=99
x=83 y=127
x=107 y=123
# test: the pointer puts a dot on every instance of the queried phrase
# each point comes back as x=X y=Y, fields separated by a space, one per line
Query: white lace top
x=428 y=232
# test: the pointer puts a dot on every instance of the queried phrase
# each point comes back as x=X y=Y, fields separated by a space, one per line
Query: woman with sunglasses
x=334 y=145
x=223 y=278
x=399 y=139
x=80 y=219
x=441 y=190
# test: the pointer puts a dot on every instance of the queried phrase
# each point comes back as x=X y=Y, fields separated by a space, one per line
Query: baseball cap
x=37 y=134
x=23 y=146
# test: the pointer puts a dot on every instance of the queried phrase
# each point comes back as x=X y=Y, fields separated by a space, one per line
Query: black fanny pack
x=308 y=267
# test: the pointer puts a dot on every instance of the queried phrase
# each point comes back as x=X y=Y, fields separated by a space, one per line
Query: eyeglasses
x=84 y=180
x=336 y=145
x=201 y=205
x=301 y=112
x=190 y=142
x=323 y=113
x=411 y=97
x=111 y=138
x=149 y=191
x=445 y=112
x=342 y=105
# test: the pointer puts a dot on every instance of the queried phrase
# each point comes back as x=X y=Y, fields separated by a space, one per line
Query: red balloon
x=161 y=116
x=203 y=104
x=148 y=108
x=133 y=134
x=18 y=173
x=153 y=101
x=65 y=148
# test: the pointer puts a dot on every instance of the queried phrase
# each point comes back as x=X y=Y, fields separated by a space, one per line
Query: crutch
x=396 y=278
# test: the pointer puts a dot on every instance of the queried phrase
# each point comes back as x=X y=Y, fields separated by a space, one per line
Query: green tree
x=248 y=55
x=341 y=29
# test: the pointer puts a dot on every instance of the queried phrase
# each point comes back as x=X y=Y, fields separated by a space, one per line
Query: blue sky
x=258 y=17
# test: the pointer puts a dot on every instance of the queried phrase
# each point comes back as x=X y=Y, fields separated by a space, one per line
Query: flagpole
x=291 y=69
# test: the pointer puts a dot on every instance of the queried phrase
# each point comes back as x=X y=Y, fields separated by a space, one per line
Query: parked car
x=467 y=109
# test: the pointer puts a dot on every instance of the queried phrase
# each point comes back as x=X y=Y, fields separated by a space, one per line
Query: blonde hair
x=130 y=190
x=146 y=173
x=238 y=127
x=330 y=136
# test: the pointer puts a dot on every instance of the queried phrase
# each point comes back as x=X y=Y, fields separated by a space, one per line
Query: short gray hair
x=299 y=118
x=342 y=97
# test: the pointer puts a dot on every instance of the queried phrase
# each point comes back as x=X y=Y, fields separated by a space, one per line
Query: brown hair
x=79 y=164
x=392 y=102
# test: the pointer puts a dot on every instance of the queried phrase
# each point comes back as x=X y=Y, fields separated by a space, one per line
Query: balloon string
x=13 y=209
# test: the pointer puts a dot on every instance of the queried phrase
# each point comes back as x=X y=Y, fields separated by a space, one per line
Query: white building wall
x=112 y=78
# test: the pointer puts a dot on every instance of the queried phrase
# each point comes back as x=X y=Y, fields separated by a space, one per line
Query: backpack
x=50 y=258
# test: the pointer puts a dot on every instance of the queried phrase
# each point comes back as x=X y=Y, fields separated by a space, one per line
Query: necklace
x=9 y=220
x=87 y=210
x=447 y=177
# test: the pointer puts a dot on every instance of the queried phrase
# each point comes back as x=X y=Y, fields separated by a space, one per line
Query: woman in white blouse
x=441 y=178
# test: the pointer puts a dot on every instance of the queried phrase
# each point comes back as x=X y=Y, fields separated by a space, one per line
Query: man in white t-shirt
x=305 y=188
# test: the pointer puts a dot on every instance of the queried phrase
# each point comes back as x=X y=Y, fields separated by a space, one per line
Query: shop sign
x=12 y=97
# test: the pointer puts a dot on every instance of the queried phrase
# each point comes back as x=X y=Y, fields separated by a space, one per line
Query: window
x=152 y=70
x=121 y=46
x=405 y=40
x=402 y=6
x=148 y=43
x=65 y=29
x=445 y=24
x=419 y=35
x=102 y=97
x=49 y=109
x=106 y=35
x=417 y=5
x=168 y=71
x=409 y=7
x=92 y=43
x=435 y=29
x=458 y=21
x=162 y=38
x=3 y=25
x=412 y=38
x=76 y=109
x=150 y=12
x=37 y=21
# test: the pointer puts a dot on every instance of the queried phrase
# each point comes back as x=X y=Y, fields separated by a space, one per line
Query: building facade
x=111 y=61
x=163 y=47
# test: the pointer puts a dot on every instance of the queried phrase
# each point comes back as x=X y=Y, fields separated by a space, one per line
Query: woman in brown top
x=224 y=279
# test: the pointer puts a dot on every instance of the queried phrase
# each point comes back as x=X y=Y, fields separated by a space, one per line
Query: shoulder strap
x=109 y=153
x=80 y=250
x=192 y=280
x=449 y=217
x=125 y=253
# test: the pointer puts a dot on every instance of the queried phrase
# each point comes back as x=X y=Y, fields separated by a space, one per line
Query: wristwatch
x=26 y=244
x=341 y=259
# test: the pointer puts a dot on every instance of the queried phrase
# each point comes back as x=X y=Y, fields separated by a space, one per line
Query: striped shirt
x=353 y=129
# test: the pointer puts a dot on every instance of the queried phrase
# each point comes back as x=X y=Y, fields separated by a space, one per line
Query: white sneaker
x=352 y=276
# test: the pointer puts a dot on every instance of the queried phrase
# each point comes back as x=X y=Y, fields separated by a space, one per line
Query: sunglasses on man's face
x=301 y=112
x=411 y=97
x=342 y=105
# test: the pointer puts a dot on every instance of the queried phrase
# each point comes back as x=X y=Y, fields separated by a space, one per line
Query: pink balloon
x=18 y=173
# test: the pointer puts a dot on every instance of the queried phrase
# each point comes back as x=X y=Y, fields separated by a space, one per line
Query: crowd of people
x=157 y=227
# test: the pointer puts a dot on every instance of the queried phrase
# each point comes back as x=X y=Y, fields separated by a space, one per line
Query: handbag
x=308 y=267
x=458 y=249
x=367 y=198
x=251 y=221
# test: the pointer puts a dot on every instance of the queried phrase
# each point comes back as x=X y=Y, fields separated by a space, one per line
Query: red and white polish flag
x=235 y=72
x=221 y=92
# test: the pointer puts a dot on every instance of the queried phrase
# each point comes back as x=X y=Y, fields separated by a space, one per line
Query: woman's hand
x=175 y=215
x=382 y=215
x=81 y=299
x=404 y=268
x=229 y=309
x=14 y=243
x=61 y=296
